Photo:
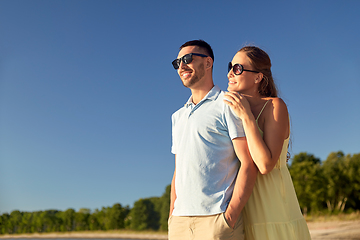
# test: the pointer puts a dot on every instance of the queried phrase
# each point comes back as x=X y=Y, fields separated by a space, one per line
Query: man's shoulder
x=221 y=95
x=218 y=100
x=179 y=111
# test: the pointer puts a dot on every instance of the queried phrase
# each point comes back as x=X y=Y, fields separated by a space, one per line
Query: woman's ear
x=259 y=77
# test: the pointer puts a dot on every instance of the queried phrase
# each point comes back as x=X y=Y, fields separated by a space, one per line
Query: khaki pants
x=212 y=227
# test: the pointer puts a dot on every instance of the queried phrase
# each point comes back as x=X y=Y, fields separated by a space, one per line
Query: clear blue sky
x=87 y=89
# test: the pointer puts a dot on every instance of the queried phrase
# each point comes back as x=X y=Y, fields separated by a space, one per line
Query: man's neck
x=199 y=94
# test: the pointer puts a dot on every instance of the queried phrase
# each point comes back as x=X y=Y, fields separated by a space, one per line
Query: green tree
x=103 y=219
x=142 y=215
x=308 y=180
x=37 y=222
x=165 y=208
x=155 y=216
x=15 y=221
x=26 y=222
x=81 y=219
x=94 y=222
x=4 y=224
x=68 y=220
x=51 y=222
x=110 y=217
x=117 y=215
x=353 y=173
x=337 y=188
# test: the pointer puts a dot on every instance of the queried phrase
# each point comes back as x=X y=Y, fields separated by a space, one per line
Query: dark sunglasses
x=186 y=59
x=238 y=69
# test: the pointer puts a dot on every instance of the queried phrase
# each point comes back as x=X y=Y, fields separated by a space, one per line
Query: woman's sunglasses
x=238 y=69
x=186 y=59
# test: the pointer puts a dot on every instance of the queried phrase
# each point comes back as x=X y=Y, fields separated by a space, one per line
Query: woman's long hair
x=261 y=62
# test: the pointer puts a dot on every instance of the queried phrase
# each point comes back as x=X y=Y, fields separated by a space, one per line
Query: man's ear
x=209 y=62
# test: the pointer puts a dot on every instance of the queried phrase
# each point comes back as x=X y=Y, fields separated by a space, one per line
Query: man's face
x=191 y=74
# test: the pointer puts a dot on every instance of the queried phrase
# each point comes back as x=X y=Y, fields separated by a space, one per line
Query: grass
x=323 y=217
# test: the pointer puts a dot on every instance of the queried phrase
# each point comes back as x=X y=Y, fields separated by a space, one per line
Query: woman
x=272 y=211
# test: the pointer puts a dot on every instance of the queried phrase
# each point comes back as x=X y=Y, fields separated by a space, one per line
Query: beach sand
x=334 y=230
x=92 y=234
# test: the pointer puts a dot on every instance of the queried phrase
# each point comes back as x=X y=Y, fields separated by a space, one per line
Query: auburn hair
x=261 y=62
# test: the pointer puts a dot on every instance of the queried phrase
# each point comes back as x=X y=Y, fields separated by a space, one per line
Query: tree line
x=146 y=214
x=329 y=186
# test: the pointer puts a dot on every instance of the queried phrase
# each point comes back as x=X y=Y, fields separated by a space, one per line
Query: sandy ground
x=336 y=230
x=153 y=236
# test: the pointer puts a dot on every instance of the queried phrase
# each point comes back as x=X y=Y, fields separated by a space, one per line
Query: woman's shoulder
x=274 y=100
x=277 y=105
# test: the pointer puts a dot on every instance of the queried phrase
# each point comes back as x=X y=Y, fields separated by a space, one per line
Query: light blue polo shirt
x=206 y=164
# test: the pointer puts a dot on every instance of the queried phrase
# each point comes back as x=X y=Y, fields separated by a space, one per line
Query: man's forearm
x=243 y=187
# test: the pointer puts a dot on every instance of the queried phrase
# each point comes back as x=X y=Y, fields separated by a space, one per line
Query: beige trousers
x=212 y=227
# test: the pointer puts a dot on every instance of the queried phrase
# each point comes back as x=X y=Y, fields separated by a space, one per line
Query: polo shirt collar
x=211 y=95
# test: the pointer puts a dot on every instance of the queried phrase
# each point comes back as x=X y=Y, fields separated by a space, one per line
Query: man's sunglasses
x=186 y=59
x=238 y=69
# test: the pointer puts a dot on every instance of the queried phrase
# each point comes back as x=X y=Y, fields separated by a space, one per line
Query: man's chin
x=187 y=83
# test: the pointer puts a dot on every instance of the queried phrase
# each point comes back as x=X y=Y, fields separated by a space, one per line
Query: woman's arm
x=265 y=150
x=172 y=192
x=244 y=182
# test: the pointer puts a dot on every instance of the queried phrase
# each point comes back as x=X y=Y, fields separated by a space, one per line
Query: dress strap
x=262 y=110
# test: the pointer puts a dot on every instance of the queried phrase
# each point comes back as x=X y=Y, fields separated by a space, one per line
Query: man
x=208 y=189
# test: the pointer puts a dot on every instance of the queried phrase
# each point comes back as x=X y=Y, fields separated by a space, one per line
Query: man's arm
x=172 y=192
x=244 y=182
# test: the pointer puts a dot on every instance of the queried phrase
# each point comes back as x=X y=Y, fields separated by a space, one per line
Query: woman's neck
x=253 y=99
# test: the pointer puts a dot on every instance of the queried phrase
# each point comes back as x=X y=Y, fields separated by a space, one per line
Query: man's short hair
x=201 y=44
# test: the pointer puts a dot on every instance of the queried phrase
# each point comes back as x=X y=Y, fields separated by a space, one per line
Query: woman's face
x=245 y=82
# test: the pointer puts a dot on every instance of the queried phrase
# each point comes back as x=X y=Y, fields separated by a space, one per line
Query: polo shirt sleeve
x=173 y=145
x=233 y=123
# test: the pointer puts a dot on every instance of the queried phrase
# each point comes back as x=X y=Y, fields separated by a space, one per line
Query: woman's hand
x=230 y=220
x=238 y=103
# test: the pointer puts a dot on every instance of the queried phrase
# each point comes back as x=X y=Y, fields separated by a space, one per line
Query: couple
x=221 y=141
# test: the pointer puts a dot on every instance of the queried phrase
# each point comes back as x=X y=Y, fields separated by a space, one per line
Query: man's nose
x=182 y=64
